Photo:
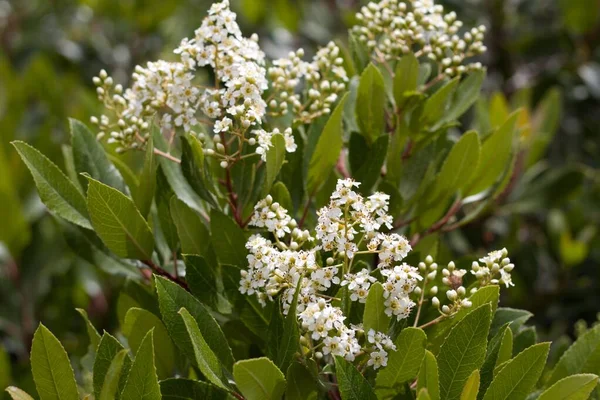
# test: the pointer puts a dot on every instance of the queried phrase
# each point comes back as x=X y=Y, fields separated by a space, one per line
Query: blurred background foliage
x=543 y=60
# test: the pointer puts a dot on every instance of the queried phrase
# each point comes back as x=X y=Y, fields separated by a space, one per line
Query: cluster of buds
x=393 y=28
x=325 y=78
x=496 y=269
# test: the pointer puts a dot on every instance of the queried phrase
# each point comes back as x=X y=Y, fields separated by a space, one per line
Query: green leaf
x=110 y=386
x=193 y=234
x=17 y=394
x=52 y=371
x=471 y=388
x=300 y=383
x=405 y=78
x=204 y=282
x=147 y=183
x=370 y=103
x=231 y=244
x=87 y=361
x=177 y=389
x=118 y=223
x=429 y=377
x=463 y=351
x=493 y=358
x=579 y=16
x=515 y=380
x=89 y=157
x=164 y=194
x=172 y=298
x=138 y=322
x=275 y=159
x=142 y=382
x=525 y=338
x=574 y=387
x=495 y=156
x=351 y=383
x=466 y=95
x=374 y=316
x=404 y=363
x=515 y=317
x=259 y=379
x=108 y=349
x=366 y=168
x=327 y=149
x=486 y=295
x=423 y=395
x=56 y=191
x=577 y=356
x=15 y=232
x=546 y=121
x=290 y=340
x=458 y=167
x=437 y=105
x=194 y=168
x=207 y=361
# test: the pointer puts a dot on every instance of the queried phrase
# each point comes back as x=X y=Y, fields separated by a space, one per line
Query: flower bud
x=436 y=302
x=224 y=164
x=428 y=259
x=451 y=294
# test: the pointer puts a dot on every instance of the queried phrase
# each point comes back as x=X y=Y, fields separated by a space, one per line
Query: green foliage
x=259 y=379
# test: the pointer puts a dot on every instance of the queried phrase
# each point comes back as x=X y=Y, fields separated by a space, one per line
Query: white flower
x=378 y=359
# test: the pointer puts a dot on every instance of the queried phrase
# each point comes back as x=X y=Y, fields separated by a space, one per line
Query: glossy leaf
x=405 y=78
x=56 y=191
x=520 y=375
x=142 y=382
x=374 y=316
x=577 y=356
x=147 y=183
x=463 y=351
x=110 y=385
x=259 y=379
x=231 y=246
x=17 y=394
x=429 y=377
x=118 y=222
x=51 y=368
x=194 y=236
x=275 y=159
x=178 y=388
x=471 y=388
x=574 y=387
x=300 y=383
x=370 y=103
x=108 y=349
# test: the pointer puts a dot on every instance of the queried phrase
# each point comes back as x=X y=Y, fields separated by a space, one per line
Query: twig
x=166 y=155
x=305 y=212
x=159 y=271
x=433 y=322
x=438 y=225
x=341 y=166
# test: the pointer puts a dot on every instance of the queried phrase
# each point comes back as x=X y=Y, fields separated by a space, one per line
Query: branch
x=159 y=271
x=438 y=225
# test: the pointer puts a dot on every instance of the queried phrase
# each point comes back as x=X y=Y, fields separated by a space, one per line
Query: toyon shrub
x=280 y=234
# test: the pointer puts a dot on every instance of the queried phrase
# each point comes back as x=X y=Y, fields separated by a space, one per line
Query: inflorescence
x=393 y=28
x=319 y=264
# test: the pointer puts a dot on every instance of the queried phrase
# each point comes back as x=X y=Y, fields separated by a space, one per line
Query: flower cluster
x=167 y=91
x=392 y=28
x=314 y=268
x=496 y=269
x=325 y=78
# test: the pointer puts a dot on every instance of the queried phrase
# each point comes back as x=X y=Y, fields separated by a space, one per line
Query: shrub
x=280 y=237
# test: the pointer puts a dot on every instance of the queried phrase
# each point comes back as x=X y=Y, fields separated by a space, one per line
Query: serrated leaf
x=370 y=103
x=51 y=368
x=374 y=316
x=368 y=168
x=204 y=282
x=138 y=322
x=144 y=193
x=471 y=388
x=463 y=351
x=576 y=357
x=108 y=348
x=423 y=395
x=574 y=387
x=87 y=361
x=17 y=394
x=89 y=157
x=492 y=357
x=527 y=337
x=118 y=223
x=275 y=159
x=327 y=149
x=172 y=298
x=110 y=385
x=405 y=78
x=404 y=363
x=520 y=375
x=300 y=383
x=290 y=340
x=515 y=317
x=351 y=384
x=429 y=377
x=178 y=388
x=259 y=379
x=495 y=155
x=231 y=244
x=142 y=382
x=193 y=234
x=56 y=191
x=206 y=360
